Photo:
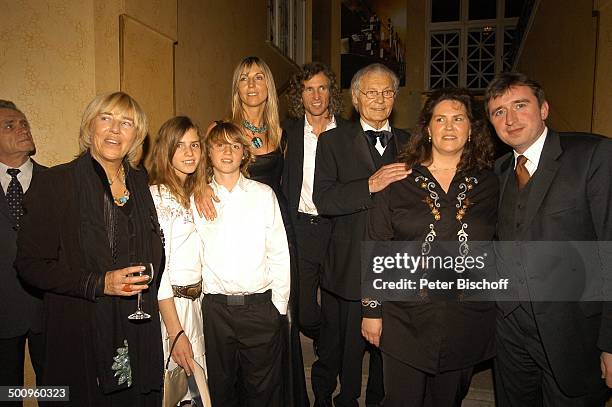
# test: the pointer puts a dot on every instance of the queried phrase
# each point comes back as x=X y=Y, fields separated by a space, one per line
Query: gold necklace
x=120 y=173
x=434 y=168
x=120 y=177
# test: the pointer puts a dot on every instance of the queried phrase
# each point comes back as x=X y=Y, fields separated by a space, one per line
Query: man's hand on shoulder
x=386 y=175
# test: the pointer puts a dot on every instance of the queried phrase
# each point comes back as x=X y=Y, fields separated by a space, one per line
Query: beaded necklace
x=120 y=177
x=255 y=140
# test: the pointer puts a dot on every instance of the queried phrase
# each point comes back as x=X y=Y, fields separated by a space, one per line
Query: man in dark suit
x=352 y=163
x=552 y=350
x=315 y=104
x=20 y=306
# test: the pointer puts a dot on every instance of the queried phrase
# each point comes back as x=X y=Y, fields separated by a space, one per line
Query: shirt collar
x=534 y=151
x=366 y=127
x=242 y=184
x=27 y=166
x=308 y=127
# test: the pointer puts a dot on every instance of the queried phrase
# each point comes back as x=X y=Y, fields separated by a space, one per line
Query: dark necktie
x=522 y=175
x=383 y=136
x=14 y=196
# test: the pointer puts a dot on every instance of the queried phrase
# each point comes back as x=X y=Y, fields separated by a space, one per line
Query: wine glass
x=148 y=271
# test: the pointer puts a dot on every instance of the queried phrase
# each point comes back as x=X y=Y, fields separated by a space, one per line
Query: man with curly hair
x=314 y=105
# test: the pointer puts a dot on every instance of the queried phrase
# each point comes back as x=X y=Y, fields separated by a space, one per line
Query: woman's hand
x=371 y=329
x=119 y=282
x=182 y=353
x=204 y=198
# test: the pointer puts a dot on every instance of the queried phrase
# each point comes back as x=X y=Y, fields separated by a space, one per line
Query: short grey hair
x=372 y=68
x=7 y=104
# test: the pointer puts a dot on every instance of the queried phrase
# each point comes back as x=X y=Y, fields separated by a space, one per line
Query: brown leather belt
x=192 y=291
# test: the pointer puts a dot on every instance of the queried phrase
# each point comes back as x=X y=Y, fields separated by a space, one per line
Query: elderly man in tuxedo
x=20 y=306
x=554 y=187
x=353 y=162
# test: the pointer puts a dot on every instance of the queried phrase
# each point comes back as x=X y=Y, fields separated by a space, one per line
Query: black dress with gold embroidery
x=437 y=336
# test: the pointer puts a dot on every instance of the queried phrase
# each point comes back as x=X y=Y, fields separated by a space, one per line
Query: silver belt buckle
x=235 y=300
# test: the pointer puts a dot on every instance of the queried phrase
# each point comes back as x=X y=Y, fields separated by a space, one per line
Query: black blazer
x=570 y=200
x=50 y=256
x=20 y=304
x=293 y=171
x=343 y=165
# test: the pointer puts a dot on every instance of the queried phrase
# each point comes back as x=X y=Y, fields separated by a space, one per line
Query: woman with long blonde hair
x=255 y=111
x=255 y=105
x=176 y=168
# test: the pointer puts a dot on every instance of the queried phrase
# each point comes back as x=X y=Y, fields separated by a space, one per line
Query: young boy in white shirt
x=245 y=277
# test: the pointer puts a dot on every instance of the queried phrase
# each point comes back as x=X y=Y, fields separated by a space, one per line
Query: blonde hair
x=127 y=106
x=270 y=119
x=228 y=132
x=162 y=172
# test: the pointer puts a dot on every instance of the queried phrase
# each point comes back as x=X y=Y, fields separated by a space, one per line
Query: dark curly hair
x=296 y=87
x=477 y=153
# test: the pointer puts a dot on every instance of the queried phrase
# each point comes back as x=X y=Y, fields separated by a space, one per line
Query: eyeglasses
x=373 y=94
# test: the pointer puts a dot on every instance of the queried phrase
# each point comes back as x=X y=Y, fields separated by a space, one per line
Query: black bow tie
x=384 y=137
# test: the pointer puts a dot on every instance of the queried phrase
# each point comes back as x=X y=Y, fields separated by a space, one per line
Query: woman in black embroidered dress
x=430 y=347
x=87 y=220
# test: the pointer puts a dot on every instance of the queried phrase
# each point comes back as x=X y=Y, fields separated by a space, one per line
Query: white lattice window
x=469 y=41
x=444 y=57
x=509 y=34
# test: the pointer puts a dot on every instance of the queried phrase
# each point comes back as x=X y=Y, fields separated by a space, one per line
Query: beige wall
x=212 y=39
x=56 y=56
x=559 y=52
x=47 y=69
x=603 y=79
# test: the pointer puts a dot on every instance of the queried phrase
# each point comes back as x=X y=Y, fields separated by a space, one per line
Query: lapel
x=361 y=147
x=399 y=139
x=506 y=169
x=298 y=159
x=544 y=175
x=4 y=211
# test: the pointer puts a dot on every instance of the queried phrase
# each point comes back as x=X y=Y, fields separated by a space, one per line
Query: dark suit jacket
x=570 y=200
x=20 y=305
x=293 y=171
x=343 y=165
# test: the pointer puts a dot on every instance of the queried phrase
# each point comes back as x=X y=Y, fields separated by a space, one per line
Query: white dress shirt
x=385 y=127
x=533 y=153
x=310 y=151
x=245 y=247
x=24 y=177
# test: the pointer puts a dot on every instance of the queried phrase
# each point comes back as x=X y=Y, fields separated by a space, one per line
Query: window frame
x=499 y=24
x=289 y=36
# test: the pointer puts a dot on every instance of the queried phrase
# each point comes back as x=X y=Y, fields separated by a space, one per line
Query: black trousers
x=243 y=352
x=12 y=359
x=523 y=376
x=341 y=350
x=12 y=355
x=406 y=386
x=312 y=238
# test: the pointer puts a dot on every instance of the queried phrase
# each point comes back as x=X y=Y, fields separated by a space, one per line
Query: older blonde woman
x=86 y=222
